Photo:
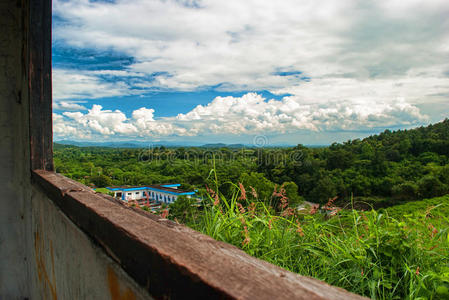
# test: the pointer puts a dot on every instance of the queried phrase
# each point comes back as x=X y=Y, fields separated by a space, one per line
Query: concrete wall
x=133 y=195
x=68 y=264
x=43 y=255
x=15 y=209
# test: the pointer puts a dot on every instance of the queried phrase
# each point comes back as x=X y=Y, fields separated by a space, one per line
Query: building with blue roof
x=161 y=193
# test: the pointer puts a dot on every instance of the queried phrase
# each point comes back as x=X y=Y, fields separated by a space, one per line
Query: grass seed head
x=253 y=192
x=242 y=192
x=241 y=208
x=247 y=239
x=299 y=229
x=252 y=209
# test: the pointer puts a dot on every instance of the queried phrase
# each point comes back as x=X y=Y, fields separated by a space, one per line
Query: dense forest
x=381 y=170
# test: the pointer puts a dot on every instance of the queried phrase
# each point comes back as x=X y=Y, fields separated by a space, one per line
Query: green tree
x=263 y=186
x=291 y=192
x=100 y=180
x=340 y=159
x=443 y=174
x=367 y=151
x=323 y=190
x=183 y=209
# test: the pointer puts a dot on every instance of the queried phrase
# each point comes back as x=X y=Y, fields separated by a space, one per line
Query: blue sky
x=229 y=71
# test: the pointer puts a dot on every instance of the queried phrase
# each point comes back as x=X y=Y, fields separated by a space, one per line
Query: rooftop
x=170 y=187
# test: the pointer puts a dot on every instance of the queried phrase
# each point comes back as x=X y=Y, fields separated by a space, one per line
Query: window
x=137 y=193
x=118 y=229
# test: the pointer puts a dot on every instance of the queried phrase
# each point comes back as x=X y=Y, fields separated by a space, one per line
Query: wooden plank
x=40 y=85
x=172 y=261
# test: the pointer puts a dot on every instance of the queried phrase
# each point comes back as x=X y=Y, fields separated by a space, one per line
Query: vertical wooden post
x=40 y=85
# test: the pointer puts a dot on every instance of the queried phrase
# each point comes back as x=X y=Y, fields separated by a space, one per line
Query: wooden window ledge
x=171 y=260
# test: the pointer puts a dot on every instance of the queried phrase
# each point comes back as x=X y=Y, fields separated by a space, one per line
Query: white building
x=164 y=193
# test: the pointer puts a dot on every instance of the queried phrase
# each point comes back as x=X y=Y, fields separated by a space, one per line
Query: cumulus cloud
x=252 y=114
x=347 y=65
x=61 y=128
x=103 y=122
x=248 y=115
x=244 y=43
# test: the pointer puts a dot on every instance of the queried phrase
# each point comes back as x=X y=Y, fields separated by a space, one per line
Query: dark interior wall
x=15 y=189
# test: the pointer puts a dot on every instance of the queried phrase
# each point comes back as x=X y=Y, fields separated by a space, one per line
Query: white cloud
x=76 y=84
x=411 y=87
x=103 y=122
x=67 y=106
x=369 y=62
x=62 y=129
x=252 y=114
x=247 y=115
x=243 y=43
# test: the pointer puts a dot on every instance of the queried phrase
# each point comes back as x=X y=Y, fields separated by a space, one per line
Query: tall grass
x=368 y=253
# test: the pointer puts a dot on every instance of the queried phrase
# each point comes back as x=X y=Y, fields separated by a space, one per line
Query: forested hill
x=392 y=166
x=382 y=170
x=432 y=138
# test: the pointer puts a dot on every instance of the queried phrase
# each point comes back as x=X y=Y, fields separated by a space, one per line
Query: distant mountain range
x=127 y=144
x=139 y=144
x=221 y=145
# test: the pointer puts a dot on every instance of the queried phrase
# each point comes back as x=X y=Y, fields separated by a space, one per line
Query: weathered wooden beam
x=173 y=261
x=40 y=85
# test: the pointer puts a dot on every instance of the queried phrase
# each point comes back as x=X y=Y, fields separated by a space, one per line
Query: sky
x=289 y=72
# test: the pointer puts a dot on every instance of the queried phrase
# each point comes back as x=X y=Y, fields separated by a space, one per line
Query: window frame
x=168 y=259
x=40 y=85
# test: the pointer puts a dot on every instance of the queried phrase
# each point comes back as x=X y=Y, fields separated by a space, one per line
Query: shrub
x=183 y=209
x=405 y=191
x=430 y=186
